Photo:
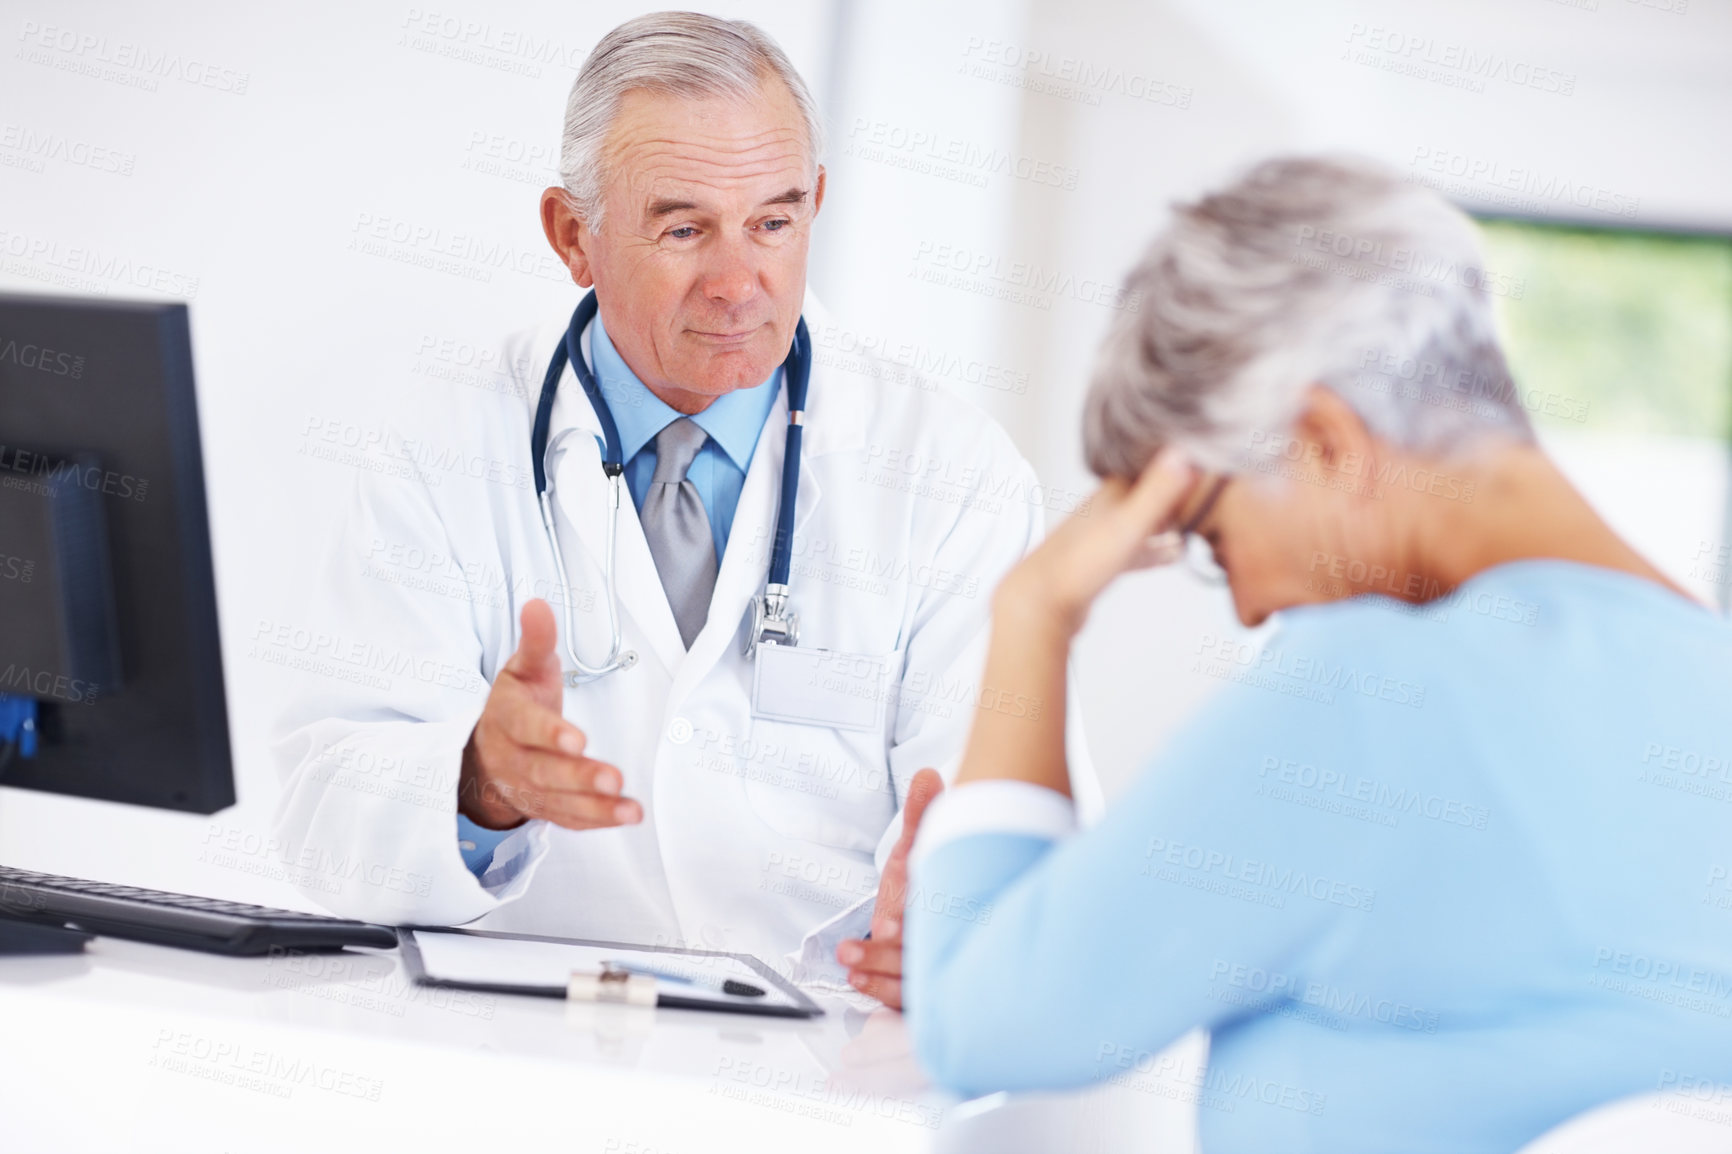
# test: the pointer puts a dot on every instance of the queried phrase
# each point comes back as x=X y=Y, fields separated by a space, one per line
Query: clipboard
x=572 y=969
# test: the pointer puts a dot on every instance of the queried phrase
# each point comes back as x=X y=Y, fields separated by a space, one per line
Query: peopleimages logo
x=89 y=269
x=89 y=54
x=884 y=141
x=1265 y=883
x=1315 y=678
x=1067 y=77
x=1459 y=65
x=35 y=148
x=940 y=263
x=41 y=358
x=1394 y=800
x=21 y=679
x=36 y=469
x=1514 y=184
x=1372 y=251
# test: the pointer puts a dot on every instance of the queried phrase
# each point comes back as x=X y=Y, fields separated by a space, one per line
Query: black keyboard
x=194 y=923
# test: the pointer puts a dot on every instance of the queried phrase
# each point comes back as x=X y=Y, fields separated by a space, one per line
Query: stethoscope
x=773 y=622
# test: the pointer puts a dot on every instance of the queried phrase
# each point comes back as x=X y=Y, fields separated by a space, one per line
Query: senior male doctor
x=693 y=795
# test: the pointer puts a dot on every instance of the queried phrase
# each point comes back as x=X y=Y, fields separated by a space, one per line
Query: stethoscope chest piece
x=773 y=622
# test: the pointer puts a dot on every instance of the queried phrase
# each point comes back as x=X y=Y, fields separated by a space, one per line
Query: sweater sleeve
x=1037 y=959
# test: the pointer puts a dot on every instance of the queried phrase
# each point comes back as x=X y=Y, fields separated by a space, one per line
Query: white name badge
x=819 y=687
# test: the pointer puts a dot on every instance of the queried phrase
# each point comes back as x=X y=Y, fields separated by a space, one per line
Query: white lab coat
x=758 y=836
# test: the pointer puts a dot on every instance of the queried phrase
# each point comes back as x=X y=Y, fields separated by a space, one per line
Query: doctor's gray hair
x=1305 y=271
x=683 y=54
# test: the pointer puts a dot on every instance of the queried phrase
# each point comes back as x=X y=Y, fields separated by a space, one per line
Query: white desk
x=144 y=1048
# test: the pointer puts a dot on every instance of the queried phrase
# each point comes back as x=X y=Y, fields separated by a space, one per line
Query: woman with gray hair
x=1437 y=868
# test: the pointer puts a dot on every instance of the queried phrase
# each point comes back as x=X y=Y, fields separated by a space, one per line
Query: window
x=1637 y=325
x=1632 y=332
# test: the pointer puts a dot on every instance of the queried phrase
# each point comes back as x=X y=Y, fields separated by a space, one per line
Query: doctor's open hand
x=524 y=759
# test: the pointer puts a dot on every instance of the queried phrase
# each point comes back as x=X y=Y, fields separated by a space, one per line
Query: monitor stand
x=22 y=937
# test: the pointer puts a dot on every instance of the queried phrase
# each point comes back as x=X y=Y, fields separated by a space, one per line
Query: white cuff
x=514 y=859
x=814 y=963
x=997 y=806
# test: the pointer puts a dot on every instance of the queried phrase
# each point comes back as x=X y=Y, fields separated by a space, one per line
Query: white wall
x=948 y=146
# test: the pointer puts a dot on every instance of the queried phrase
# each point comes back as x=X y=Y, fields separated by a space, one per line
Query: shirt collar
x=732 y=420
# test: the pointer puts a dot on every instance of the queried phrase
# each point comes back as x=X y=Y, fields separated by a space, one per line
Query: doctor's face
x=699 y=262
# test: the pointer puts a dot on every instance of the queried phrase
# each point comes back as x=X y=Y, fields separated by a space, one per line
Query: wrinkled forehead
x=717 y=152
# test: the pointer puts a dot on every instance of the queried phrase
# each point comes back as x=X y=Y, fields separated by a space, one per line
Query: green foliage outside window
x=1636 y=325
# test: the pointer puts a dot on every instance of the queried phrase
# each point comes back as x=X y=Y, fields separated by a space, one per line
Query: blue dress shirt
x=733 y=422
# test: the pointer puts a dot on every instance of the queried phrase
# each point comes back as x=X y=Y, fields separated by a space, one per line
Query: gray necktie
x=678 y=529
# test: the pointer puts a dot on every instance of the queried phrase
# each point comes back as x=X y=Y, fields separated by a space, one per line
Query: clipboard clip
x=612 y=984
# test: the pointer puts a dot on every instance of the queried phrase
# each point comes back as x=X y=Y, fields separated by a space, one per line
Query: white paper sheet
x=513 y=962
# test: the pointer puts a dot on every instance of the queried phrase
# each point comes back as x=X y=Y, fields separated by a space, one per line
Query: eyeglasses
x=1187 y=544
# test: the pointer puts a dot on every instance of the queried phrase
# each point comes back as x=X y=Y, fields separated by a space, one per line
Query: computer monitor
x=111 y=679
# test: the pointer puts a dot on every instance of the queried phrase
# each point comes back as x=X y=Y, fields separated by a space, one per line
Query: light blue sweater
x=1436 y=878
